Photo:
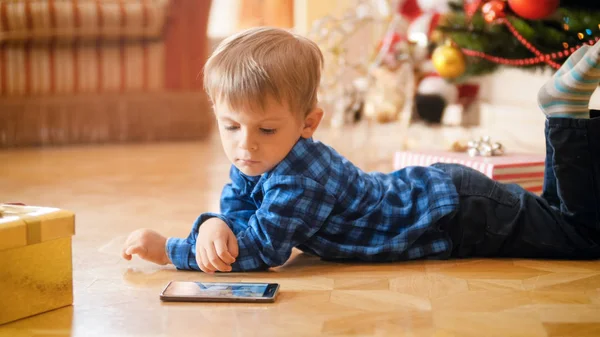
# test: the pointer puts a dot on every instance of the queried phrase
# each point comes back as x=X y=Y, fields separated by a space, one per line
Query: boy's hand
x=216 y=246
x=148 y=244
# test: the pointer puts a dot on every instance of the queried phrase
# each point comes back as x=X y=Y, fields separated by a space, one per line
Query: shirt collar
x=293 y=161
x=296 y=159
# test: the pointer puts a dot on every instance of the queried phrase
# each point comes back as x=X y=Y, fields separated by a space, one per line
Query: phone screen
x=219 y=290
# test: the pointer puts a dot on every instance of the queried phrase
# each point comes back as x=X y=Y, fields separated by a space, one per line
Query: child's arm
x=211 y=238
x=292 y=211
x=236 y=209
x=216 y=246
x=236 y=203
x=148 y=244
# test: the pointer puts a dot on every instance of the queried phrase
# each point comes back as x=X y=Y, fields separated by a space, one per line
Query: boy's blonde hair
x=247 y=68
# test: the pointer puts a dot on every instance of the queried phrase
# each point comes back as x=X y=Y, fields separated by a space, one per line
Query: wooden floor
x=116 y=189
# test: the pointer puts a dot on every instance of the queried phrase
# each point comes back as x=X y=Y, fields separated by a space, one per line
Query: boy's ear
x=311 y=122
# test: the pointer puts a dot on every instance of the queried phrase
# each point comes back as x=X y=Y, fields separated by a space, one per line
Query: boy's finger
x=221 y=248
x=232 y=245
x=137 y=249
x=199 y=260
x=215 y=260
x=124 y=254
x=205 y=266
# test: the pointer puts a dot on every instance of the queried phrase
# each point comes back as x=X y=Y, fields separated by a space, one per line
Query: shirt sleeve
x=236 y=209
x=182 y=252
x=292 y=211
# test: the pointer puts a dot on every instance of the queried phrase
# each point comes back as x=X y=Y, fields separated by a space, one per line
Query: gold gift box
x=36 y=269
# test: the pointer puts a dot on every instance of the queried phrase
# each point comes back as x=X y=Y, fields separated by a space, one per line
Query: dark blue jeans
x=504 y=220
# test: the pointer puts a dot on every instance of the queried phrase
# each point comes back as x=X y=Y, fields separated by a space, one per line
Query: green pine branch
x=547 y=35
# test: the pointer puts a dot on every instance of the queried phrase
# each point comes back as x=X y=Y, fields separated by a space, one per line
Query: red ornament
x=472 y=6
x=410 y=10
x=534 y=10
x=493 y=10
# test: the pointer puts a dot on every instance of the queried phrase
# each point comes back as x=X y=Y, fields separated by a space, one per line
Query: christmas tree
x=533 y=34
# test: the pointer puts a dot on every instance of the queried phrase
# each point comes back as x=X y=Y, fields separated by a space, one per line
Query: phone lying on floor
x=179 y=291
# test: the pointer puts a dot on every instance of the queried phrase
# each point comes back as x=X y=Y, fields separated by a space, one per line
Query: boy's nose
x=247 y=143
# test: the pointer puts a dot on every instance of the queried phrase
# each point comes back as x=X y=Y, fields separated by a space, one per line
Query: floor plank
x=115 y=189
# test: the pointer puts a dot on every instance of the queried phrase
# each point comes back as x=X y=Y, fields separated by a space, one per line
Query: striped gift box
x=526 y=170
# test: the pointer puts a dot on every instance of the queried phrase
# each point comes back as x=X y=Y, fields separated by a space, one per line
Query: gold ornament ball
x=449 y=61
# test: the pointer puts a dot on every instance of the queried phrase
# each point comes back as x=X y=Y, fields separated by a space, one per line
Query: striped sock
x=569 y=91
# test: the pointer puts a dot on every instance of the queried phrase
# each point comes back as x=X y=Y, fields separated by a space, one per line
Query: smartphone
x=178 y=291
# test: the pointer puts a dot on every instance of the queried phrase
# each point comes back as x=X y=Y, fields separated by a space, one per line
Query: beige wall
x=307 y=11
x=519 y=87
x=507 y=87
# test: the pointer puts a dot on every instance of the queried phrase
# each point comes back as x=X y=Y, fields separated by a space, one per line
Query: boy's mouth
x=247 y=161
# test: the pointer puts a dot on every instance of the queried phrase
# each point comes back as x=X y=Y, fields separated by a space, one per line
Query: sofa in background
x=88 y=71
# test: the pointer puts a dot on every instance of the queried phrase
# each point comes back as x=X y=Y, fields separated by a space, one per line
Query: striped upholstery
x=81 y=46
x=23 y=20
x=81 y=68
x=97 y=71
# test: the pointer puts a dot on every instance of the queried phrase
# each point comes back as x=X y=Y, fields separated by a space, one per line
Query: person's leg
x=546 y=101
x=572 y=141
x=576 y=165
x=549 y=190
x=505 y=220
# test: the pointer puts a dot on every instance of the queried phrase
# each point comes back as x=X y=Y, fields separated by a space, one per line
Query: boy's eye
x=232 y=128
x=268 y=131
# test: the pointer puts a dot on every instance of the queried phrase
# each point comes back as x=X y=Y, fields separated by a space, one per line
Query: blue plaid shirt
x=319 y=202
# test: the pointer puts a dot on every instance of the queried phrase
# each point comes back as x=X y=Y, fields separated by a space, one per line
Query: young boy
x=288 y=190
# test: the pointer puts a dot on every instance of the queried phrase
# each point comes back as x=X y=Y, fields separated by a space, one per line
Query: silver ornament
x=484 y=147
x=485 y=150
x=472 y=152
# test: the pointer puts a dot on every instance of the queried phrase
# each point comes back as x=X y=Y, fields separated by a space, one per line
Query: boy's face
x=256 y=141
